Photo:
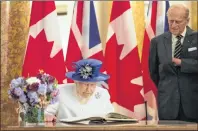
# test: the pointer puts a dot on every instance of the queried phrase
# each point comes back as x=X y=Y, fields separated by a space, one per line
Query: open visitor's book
x=109 y=118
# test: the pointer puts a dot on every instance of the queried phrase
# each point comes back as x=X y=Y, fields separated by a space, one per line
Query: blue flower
x=33 y=98
x=42 y=89
x=19 y=82
x=23 y=98
x=17 y=91
x=50 y=87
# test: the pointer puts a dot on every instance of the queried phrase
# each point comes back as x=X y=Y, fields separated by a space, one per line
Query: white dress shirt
x=174 y=41
x=69 y=106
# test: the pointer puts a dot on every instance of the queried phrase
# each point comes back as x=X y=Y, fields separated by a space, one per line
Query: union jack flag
x=84 y=39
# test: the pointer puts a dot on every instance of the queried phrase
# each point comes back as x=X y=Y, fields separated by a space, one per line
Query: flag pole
x=145 y=103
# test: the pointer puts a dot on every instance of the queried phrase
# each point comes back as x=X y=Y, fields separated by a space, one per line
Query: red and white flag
x=84 y=39
x=44 y=47
x=156 y=24
x=123 y=64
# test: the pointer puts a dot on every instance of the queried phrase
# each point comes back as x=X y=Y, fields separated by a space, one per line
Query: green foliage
x=48 y=95
x=34 y=115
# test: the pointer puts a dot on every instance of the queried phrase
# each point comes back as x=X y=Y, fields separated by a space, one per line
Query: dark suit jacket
x=175 y=84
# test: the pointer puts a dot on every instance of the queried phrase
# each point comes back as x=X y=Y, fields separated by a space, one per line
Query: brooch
x=97 y=95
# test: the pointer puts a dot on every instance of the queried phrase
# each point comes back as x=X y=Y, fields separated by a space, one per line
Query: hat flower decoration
x=87 y=70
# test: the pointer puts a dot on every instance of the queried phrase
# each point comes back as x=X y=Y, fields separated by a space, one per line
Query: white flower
x=32 y=80
x=88 y=68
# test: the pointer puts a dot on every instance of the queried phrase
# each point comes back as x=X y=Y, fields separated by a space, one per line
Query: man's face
x=177 y=21
x=85 y=89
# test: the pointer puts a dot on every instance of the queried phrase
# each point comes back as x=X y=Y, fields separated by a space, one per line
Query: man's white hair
x=181 y=7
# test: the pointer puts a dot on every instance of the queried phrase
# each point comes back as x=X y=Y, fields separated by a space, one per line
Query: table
x=142 y=125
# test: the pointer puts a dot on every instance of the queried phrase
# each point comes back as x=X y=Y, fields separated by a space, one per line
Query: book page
x=119 y=117
x=111 y=117
x=82 y=118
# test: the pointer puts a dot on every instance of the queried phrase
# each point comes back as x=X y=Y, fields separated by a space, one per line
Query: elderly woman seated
x=83 y=97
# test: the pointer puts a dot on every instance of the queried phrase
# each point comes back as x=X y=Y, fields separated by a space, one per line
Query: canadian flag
x=156 y=24
x=44 y=48
x=123 y=64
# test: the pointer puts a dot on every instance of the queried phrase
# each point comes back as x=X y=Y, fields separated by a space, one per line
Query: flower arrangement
x=34 y=94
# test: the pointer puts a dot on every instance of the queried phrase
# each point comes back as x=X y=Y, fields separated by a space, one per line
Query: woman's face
x=85 y=89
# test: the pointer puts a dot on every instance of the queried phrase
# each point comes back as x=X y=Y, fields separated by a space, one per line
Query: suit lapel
x=168 y=42
x=168 y=45
x=186 y=38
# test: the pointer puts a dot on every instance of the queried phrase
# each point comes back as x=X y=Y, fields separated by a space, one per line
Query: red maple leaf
x=121 y=73
x=38 y=57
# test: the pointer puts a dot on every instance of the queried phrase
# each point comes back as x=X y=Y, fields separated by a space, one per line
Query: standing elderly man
x=173 y=65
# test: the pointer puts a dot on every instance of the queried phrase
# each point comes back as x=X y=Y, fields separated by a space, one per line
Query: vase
x=34 y=115
x=31 y=114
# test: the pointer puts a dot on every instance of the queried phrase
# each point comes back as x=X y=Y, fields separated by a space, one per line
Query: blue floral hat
x=87 y=70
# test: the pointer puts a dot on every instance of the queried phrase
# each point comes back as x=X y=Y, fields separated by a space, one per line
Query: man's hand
x=176 y=61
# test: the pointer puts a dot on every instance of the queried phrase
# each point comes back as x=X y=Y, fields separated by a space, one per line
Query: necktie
x=178 y=47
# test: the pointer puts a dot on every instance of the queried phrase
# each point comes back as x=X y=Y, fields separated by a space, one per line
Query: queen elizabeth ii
x=83 y=97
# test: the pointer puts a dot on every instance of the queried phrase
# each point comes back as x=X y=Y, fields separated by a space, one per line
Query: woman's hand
x=50 y=118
